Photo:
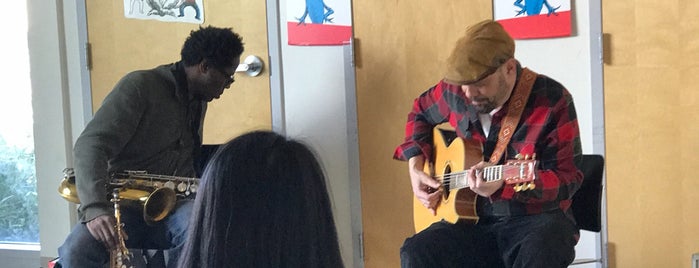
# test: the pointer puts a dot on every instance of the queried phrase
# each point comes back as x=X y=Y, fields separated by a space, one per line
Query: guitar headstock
x=521 y=172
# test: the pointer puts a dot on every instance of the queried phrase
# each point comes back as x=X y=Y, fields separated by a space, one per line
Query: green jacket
x=145 y=124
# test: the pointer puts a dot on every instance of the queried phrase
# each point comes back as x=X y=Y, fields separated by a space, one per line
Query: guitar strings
x=446 y=178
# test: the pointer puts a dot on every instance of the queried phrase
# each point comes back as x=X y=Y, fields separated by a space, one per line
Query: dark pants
x=545 y=240
x=80 y=248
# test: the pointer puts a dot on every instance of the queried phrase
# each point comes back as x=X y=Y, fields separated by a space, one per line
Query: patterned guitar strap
x=514 y=113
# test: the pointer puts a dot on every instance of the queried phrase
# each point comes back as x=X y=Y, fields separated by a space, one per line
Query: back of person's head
x=218 y=46
x=263 y=202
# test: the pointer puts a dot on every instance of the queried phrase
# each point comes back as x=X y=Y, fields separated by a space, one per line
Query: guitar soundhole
x=446 y=181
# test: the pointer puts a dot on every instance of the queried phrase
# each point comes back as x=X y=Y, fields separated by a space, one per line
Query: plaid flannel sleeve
x=428 y=110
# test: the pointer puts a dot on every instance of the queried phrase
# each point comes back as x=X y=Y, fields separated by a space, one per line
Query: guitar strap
x=514 y=112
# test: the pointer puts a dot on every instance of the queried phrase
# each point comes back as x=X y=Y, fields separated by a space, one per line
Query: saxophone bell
x=67 y=188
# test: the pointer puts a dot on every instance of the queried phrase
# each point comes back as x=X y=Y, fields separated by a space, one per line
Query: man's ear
x=511 y=65
x=204 y=66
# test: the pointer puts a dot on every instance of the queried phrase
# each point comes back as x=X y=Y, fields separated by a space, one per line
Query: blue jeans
x=544 y=240
x=80 y=249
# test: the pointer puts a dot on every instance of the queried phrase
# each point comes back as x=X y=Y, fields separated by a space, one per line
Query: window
x=18 y=198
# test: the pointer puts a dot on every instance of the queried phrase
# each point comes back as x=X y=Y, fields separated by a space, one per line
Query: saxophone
x=157 y=194
x=120 y=257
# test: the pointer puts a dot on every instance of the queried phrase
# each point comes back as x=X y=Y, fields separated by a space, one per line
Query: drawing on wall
x=319 y=22
x=190 y=11
x=525 y=19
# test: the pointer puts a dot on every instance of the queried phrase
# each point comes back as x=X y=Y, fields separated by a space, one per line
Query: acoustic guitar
x=452 y=156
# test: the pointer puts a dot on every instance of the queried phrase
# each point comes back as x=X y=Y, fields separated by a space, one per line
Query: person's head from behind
x=211 y=56
x=483 y=65
x=263 y=202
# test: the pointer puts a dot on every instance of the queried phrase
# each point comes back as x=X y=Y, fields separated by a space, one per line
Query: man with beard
x=490 y=99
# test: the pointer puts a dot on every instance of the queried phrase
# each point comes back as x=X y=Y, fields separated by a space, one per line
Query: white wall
x=318 y=109
x=55 y=74
x=576 y=63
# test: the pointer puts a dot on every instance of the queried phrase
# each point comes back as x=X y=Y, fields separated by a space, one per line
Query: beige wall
x=651 y=104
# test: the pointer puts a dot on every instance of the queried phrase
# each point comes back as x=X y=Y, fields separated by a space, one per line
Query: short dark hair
x=262 y=202
x=218 y=46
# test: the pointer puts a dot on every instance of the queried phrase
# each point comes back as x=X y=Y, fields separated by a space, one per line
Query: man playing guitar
x=523 y=220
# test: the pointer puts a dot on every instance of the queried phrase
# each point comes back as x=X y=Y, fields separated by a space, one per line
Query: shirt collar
x=181 y=86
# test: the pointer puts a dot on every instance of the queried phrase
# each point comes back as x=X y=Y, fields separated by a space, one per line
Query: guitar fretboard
x=459 y=180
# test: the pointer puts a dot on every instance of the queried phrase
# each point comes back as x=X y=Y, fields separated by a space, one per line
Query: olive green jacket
x=146 y=123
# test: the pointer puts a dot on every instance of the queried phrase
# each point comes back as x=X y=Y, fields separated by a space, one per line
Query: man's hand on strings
x=427 y=189
x=478 y=183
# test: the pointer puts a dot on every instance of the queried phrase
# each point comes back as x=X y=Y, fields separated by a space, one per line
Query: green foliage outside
x=19 y=217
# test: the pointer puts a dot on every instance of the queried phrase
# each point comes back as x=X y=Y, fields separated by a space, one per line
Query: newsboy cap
x=484 y=47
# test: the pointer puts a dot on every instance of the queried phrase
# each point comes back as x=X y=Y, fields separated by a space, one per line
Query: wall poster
x=319 y=22
x=525 y=19
x=190 y=11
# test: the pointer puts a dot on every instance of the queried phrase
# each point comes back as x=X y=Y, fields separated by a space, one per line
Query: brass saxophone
x=157 y=194
x=120 y=257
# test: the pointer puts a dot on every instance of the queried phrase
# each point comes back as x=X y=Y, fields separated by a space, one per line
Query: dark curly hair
x=218 y=46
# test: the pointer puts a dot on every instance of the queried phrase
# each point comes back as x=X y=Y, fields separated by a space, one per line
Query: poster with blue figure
x=317 y=11
x=534 y=7
x=527 y=19
x=190 y=11
x=319 y=22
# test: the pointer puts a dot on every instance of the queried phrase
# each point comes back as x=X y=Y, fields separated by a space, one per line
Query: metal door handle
x=252 y=66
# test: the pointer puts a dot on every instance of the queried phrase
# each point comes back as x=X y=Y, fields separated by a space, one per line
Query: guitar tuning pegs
x=533 y=156
x=531 y=186
x=518 y=156
x=518 y=187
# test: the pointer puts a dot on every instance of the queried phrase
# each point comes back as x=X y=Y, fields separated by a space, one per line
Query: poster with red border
x=319 y=22
x=527 y=19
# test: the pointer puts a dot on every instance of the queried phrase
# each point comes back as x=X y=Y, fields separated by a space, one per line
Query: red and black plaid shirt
x=548 y=127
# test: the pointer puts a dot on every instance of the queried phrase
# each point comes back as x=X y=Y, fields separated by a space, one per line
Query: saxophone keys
x=170 y=185
x=181 y=187
x=193 y=188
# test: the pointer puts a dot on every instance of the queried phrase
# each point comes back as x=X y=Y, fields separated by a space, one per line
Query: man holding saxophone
x=151 y=121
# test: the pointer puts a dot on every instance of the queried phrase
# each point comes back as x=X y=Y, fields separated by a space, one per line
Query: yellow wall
x=651 y=103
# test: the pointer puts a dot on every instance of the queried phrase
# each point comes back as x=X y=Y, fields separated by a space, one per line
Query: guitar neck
x=459 y=180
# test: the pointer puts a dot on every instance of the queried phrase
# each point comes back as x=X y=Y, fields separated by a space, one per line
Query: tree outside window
x=19 y=219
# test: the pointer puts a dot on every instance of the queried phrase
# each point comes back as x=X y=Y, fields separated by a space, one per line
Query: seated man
x=488 y=98
x=151 y=121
